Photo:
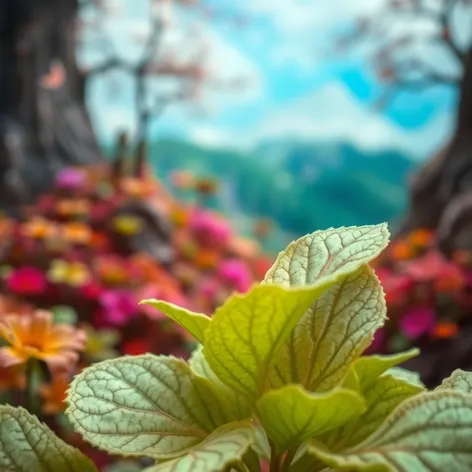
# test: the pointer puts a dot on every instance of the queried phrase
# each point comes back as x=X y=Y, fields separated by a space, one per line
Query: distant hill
x=303 y=186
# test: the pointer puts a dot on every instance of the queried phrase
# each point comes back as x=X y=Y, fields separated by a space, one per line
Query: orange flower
x=36 y=336
x=77 y=233
x=12 y=378
x=206 y=259
x=72 y=207
x=138 y=187
x=39 y=228
x=421 y=237
x=6 y=227
x=401 y=250
x=445 y=330
x=54 y=394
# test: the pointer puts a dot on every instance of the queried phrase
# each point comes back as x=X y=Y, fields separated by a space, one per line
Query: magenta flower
x=377 y=343
x=417 y=322
x=209 y=228
x=118 y=306
x=27 y=281
x=70 y=178
x=236 y=274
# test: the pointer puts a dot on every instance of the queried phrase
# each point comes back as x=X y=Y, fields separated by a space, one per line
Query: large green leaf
x=428 y=433
x=240 y=403
x=27 y=445
x=195 y=323
x=292 y=415
x=370 y=368
x=320 y=254
x=248 y=330
x=145 y=406
x=459 y=380
x=332 y=334
x=227 y=445
x=381 y=398
x=409 y=376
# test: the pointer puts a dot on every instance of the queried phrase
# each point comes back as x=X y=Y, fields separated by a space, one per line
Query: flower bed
x=73 y=254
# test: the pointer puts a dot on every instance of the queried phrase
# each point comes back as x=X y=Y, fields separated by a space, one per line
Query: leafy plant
x=279 y=379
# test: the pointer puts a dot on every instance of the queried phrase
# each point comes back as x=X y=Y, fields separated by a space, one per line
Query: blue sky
x=299 y=87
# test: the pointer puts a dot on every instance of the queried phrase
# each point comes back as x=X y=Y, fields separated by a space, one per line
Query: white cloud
x=331 y=114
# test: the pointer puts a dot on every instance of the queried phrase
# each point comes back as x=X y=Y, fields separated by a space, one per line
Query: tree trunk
x=44 y=125
x=441 y=191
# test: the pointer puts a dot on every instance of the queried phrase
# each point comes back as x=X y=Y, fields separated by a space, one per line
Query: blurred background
x=171 y=148
x=312 y=114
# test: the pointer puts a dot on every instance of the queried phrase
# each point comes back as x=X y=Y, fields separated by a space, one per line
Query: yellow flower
x=36 y=337
x=76 y=274
x=128 y=225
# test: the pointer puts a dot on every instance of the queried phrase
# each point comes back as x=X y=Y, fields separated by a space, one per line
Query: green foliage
x=27 y=445
x=281 y=375
x=195 y=323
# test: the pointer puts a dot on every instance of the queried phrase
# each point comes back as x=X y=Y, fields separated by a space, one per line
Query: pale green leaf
x=428 y=433
x=333 y=333
x=195 y=323
x=370 y=368
x=407 y=375
x=339 y=251
x=381 y=398
x=292 y=415
x=225 y=446
x=240 y=403
x=459 y=380
x=27 y=445
x=248 y=330
x=145 y=406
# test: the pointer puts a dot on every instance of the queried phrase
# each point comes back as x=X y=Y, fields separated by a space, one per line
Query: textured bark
x=41 y=129
x=441 y=190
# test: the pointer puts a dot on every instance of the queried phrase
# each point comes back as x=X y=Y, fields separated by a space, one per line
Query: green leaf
x=370 y=368
x=407 y=375
x=458 y=380
x=339 y=251
x=145 y=406
x=292 y=415
x=63 y=314
x=428 y=433
x=240 y=403
x=381 y=398
x=195 y=323
x=334 y=332
x=227 y=445
x=248 y=330
x=27 y=445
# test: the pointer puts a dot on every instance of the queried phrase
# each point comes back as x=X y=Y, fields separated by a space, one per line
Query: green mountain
x=302 y=186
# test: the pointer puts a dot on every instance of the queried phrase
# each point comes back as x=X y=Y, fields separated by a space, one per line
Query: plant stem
x=288 y=459
x=30 y=403
x=240 y=467
x=274 y=459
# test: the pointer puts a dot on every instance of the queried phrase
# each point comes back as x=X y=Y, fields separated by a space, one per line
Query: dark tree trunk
x=43 y=127
x=441 y=192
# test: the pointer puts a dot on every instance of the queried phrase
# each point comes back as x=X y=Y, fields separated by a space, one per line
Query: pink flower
x=396 y=286
x=378 y=342
x=236 y=274
x=209 y=229
x=27 y=281
x=427 y=267
x=417 y=322
x=167 y=294
x=70 y=178
x=118 y=306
